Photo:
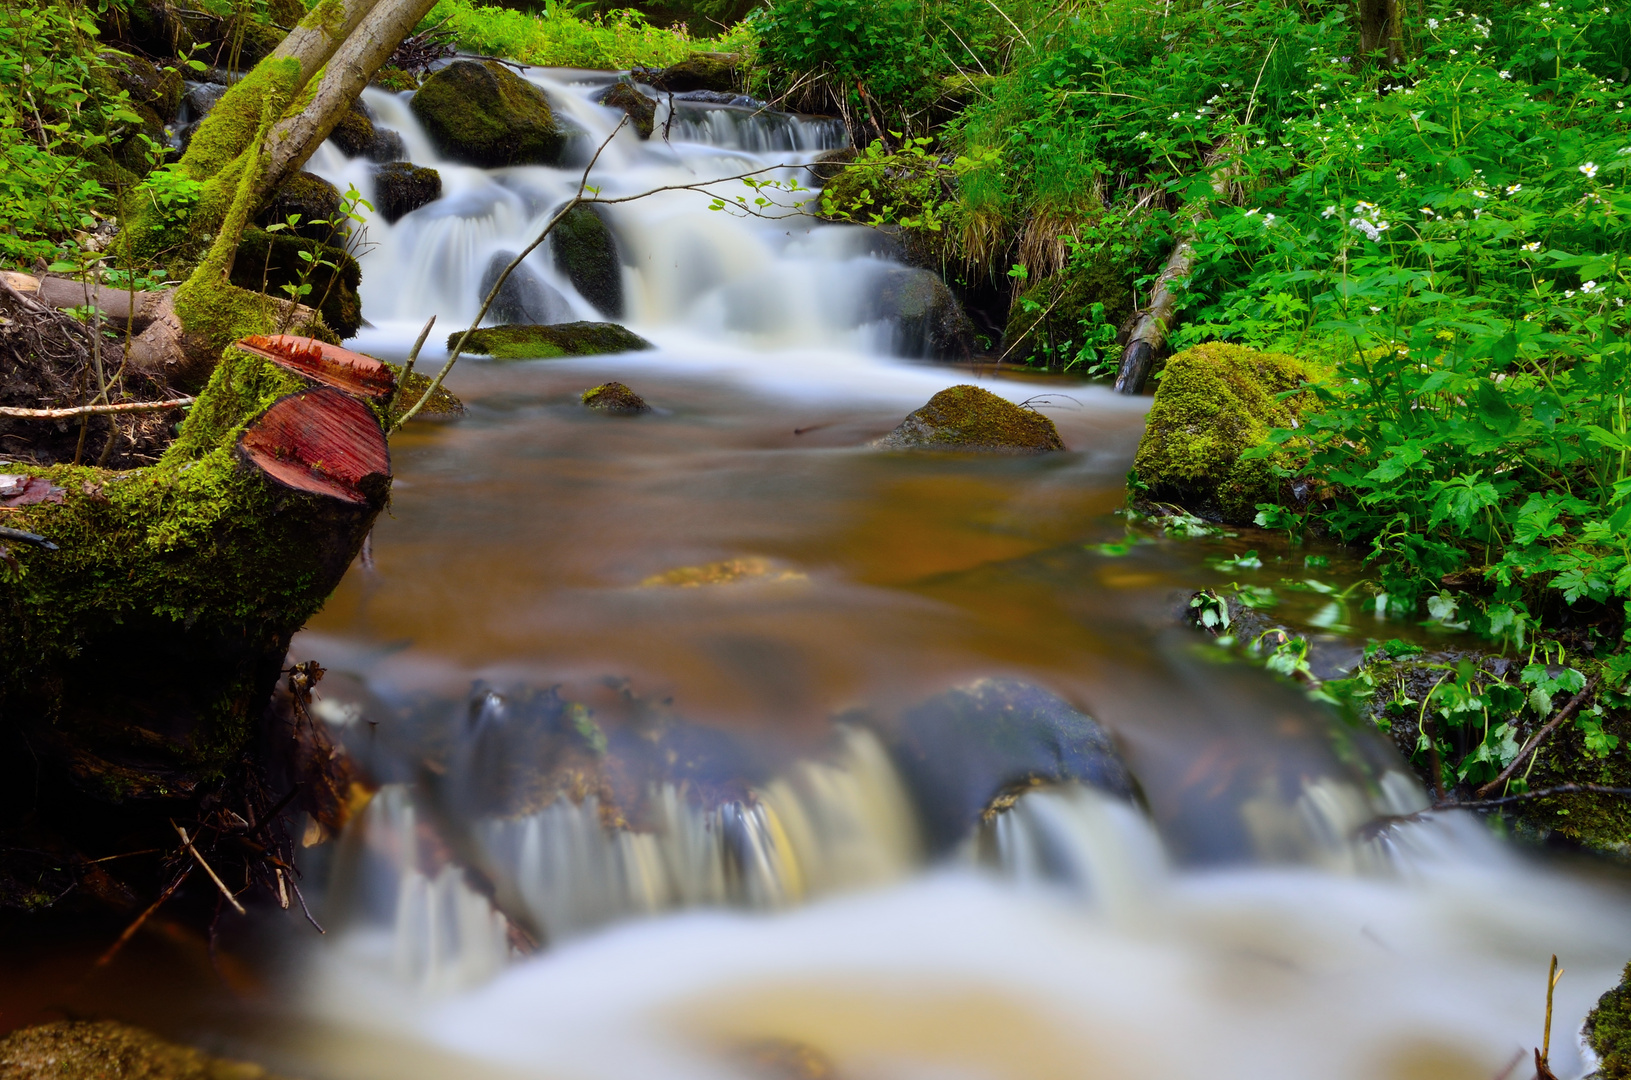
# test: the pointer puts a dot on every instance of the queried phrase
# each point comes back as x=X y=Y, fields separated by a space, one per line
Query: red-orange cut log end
x=321 y=441
x=329 y=364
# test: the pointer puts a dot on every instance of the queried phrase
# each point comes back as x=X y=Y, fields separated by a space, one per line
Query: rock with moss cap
x=969 y=418
x=699 y=71
x=315 y=200
x=482 y=113
x=549 y=342
x=273 y=263
x=641 y=110
x=442 y=406
x=1214 y=403
x=356 y=136
x=614 y=397
x=99 y=1049
x=401 y=187
x=1608 y=1031
x=586 y=254
x=395 y=80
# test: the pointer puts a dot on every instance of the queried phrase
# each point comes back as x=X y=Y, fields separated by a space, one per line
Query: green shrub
x=557 y=38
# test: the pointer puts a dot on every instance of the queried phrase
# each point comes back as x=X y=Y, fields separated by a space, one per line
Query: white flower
x=1533 y=245
x=1374 y=310
x=1546 y=7
x=1590 y=169
x=1453 y=52
x=1427 y=211
x=1590 y=286
x=1268 y=220
x=1623 y=150
x=1372 y=232
x=1506 y=74
x=1513 y=189
x=1480 y=194
x=1568 y=293
x=1174 y=116
x=1432 y=24
x=1330 y=212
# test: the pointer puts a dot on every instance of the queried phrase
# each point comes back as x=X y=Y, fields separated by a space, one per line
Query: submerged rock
x=104 y=1049
x=1214 y=403
x=525 y=298
x=586 y=254
x=641 y=110
x=401 y=187
x=482 y=113
x=699 y=71
x=929 y=321
x=614 y=397
x=968 y=418
x=549 y=342
x=963 y=749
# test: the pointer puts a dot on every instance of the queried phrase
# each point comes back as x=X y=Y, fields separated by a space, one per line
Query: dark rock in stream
x=614 y=397
x=963 y=749
x=586 y=254
x=525 y=298
x=356 y=136
x=929 y=320
x=699 y=71
x=641 y=110
x=482 y=113
x=107 y=1050
x=969 y=418
x=316 y=201
x=401 y=187
x=550 y=342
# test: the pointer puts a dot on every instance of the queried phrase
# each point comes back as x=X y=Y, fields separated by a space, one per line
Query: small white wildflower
x=1568 y=294
x=1374 y=310
x=1372 y=232
x=1590 y=286
x=1454 y=52
x=1268 y=219
x=1432 y=24
x=1533 y=245
x=1402 y=175
x=1590 y=169
x=1427 y=211
x=1143 y=134
x=1253 y=210
x=1330 y=212
x=1480 y=194
x=1513 y=189
x=1506 y=74
x=1174 y=116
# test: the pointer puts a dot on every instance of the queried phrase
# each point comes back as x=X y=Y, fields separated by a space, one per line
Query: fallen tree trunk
x=1149 y=333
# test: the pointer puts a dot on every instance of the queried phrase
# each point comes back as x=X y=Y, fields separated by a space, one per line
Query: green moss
x=266 y=262
x=699 y=71
x=614 y=397
x=316 y=201
x=970 y=418
x=550 y=342
x=482 y=113
x=641 y=110
x=94 y=1050
x=443 y=405
x=1608 y=1031
x=395 y=80
x=1050 y=321
x=586 y=254
x=1214 y=403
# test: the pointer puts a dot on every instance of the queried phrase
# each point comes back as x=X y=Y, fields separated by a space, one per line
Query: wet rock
x=963 y=749
x=395 y=80
x=524 y=748
x=443 y=404
x=829 y=163
x=1044 y=324
x=266 y=262
x=104 y=1049
x=524 y=298
x=586 y=254
x=356 y=136
x=699 y=71
x=149 y=26
x=641 y=110
x=740 y=570
x=316 y=201
x=614 y=397
x=1608 y=1031
x=968 y=418
x=929 y=321
x=549 y=342
x=1214 y=403
x=482 y=113
x=401 y=187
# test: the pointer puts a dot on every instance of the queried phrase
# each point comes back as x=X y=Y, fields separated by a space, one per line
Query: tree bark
x=1155 y=321
x=1379 y=30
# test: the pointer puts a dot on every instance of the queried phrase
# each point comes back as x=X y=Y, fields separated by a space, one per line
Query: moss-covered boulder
x=969 y=418
x=699 y=71
x=107 y=1050
x=550 y=342
x=443 y=404
x=267 y=262
x=1053 y=318
x=315 y=200
x=149 y=26
x=1214 y=403
x=356 y=136
x=401 y=187
x=641 y=110
x=614 y=397
x=148 y=86
x=962 y=750
x=586 y=254
x=1608 y=1031
x=928 y=320
x=482 y=113
x=395 y=80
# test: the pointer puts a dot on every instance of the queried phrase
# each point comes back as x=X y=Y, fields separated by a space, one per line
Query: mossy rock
x=356 y=136
x=401 y=187
x=831 y=163
x=962 y=750
x=1214 y=403
x=614 y=397
x=103 y=1049
x=969 y=418
x=1608 y=1031
x=443 y=404
x=586 y=254
x=152 y=26
x=641 y=110
x=266 y=262
x=929 y=320
x=482 y=113
x=149 y=87
x=699 y=71
x=550 y=342
x=1050 y=321
x=395 y=80
x=316 y=201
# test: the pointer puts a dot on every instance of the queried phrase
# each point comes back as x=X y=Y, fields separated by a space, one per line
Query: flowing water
x=752 y=605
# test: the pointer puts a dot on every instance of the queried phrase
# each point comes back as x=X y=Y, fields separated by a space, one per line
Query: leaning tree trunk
x=145 y=616
x=1379 y=31
x=1155 y=321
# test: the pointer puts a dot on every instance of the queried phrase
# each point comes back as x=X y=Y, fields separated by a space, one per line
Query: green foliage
x=558 y=38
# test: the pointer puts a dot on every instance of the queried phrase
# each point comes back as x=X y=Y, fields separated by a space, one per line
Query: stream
x=739 y=580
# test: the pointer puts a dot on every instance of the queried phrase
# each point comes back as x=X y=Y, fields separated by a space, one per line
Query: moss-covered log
x=146 y=627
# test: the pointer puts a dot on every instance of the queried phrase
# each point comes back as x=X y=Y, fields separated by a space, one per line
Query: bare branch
x=98 y=410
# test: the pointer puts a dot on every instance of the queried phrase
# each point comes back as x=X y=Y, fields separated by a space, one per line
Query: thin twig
x=98 y=410
x=130 y=931
x=1563 y=714
x=407 y=365
x=298 y=895
x=219 y=884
